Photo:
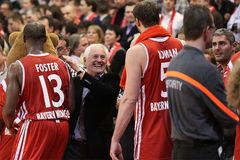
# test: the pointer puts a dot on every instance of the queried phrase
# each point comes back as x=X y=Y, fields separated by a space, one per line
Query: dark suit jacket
x=118 y=62
x=102 y=23
x=126 y=39
x=98 y=111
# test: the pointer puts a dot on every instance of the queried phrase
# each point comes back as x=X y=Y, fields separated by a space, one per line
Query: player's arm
x=134 y=68
x=12 y=94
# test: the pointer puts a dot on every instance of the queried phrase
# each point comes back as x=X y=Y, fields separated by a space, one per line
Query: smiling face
x=96 y=61
x=222 y=49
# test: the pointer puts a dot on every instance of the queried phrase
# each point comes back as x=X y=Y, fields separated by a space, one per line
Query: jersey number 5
x=56 y=89
x=164 y=67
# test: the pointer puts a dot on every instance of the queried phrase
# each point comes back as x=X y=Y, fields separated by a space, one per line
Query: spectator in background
x=118 y=14
x=25 y=6
x=55 y=12
x=59 y=3
x=131 y=29
x=88 y=10
x=95 y=94
x=223 y=47
x=226 y=8
x=70 y=28
x=234 y=22
x=218 y=19
x=73 y=44
x=95 y=34
x=69 y=13
x=6 y=8
x=103 y=18
x=83 y=27
x=63 y=46
x=116 y=56
x=181 y=6
x=32 y=15
x=78 y=43
x=57 y=26
x=170 y=19
x=15 y=22
x=48 y=23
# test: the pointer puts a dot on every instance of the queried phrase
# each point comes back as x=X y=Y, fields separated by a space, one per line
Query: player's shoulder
x=136 y=49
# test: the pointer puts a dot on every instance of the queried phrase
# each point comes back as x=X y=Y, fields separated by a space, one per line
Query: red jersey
x=229 y=67
x=152 y=119
x=6 y=139
x=44 y=108
x=47 y=97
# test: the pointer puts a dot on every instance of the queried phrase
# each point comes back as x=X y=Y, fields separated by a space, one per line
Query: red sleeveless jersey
x=45 y=88
x=152 y=120
x=229 y=67
x=6 y=138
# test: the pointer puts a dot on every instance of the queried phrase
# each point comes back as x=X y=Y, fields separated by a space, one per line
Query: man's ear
x=234 y=46
x=137 y=22
x=84 y=60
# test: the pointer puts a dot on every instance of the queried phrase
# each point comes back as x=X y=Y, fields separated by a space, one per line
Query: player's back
x=45 y=87
x=151 y=116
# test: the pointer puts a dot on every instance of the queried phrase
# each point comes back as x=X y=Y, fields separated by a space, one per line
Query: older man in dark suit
x=94 y=98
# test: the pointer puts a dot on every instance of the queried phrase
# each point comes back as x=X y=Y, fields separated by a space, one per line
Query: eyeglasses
x=61 y=48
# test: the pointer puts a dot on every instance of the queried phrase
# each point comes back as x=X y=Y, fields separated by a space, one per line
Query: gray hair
x=96 y=45
x=225 y=32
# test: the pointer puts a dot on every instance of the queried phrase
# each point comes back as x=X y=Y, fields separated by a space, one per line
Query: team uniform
x=6 y=139
x=228 y=69
x=44 y=108
x=152 y=120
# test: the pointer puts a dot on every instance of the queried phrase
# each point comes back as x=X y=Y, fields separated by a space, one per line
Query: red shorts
x=237 y=143
x=45 y=139
x=6 y=145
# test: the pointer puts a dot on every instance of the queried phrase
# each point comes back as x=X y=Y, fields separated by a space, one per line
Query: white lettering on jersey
x=46 y=67
x=164 y=54
x=159 y=106
x=58 y=114
x=175 y=84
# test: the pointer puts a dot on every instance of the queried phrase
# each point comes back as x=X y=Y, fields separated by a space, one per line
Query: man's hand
x=72 y=63
x=116 y=151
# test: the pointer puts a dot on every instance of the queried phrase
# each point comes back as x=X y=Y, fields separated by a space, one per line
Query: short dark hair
x=15 y=16
x=103 y=6
x=115 y=28
x=93 y=4
x=196 y=19
x=147 y=12
x=35 y=31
